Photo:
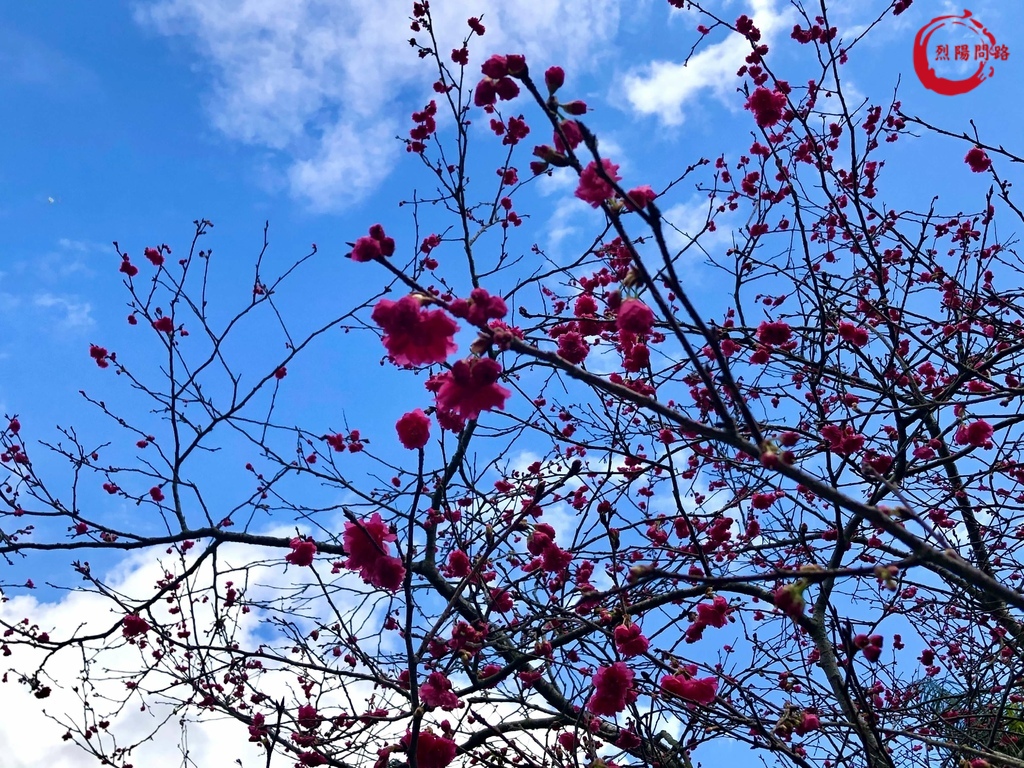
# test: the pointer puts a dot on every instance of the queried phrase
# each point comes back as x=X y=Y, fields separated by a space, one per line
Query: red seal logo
x=950 y=43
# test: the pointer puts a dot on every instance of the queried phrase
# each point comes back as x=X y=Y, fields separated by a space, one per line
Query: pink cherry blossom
x=634 y=317
x=592 y=188
x=613 y=690
x=639 y=198
x=413 y=335
x=134 y=625
x=437 y=692
x=369 y=552
x=470 y=388
x=572 y=348
x=774 y=333
x=413 y=429
x=978 y=160
x=303 y=551
x=768 y=106
x=432 y=751
x=164 y=324
x=714 y=614
x=372 y=246
x=976 y=433
x=308 y=717
x=630 y=641
x=479 y=308
x=458 y=564
x=127 y=267
x=699 y=691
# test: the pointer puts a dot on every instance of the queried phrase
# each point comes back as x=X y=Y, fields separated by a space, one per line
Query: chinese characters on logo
x=945 y=44
x=982 y=51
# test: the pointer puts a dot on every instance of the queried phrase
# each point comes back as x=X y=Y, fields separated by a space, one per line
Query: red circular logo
x=974 y=44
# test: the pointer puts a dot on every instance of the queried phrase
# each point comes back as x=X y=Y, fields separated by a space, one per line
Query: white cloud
x=570 y=214
x=347 y=159
x=664 y=88
x=318 y=81
x=684 y=220
x=211 y=739
x=560 y=181
x=215 y=743
x=78 y=246
x=562 y=225
x=66 y=260
x=75 y=314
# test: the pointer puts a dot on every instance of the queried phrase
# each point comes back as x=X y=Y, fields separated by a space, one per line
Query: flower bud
x=790 y=599
x=548 y=154
x=516 y=64
x=554 y=78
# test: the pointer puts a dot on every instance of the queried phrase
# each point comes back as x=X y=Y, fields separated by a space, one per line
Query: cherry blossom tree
x=617 y=524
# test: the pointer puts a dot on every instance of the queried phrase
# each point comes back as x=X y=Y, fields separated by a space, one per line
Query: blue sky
x=127 y=121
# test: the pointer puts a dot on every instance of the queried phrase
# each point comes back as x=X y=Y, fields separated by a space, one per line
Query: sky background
x=128 y=120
